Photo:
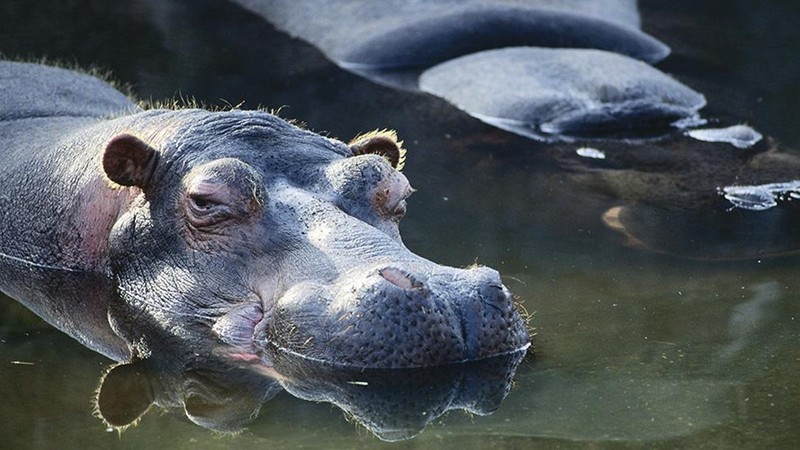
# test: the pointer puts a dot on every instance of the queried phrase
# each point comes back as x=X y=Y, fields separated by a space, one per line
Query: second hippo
x=547 y=70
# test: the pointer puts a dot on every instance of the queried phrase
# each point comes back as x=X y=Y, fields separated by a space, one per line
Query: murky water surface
x=635 y=347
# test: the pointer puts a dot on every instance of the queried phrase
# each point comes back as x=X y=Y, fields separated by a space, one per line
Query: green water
x=633 y=348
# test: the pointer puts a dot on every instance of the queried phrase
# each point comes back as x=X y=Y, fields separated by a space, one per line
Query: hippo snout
x=399 y=316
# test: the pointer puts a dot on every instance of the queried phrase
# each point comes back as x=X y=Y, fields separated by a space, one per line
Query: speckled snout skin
x=389 y=317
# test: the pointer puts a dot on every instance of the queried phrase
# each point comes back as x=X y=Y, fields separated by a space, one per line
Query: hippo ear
x=614 y=218
x=129 y=161
x=383 y=143
x=124 y=395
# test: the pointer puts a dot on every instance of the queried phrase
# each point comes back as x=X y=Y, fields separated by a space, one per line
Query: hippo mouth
x=388 y=318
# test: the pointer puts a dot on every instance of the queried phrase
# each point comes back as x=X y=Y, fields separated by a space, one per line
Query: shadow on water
x=637 y=345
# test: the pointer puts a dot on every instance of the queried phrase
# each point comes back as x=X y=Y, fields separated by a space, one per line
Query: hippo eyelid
x=203 y=202
x=205 y=207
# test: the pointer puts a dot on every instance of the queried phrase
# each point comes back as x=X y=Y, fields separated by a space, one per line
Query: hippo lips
x=273 y=347
x=393 y=319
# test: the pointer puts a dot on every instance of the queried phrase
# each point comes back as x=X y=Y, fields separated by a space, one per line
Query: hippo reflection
x=233 y=227
x=225 y=394
x=706 y=200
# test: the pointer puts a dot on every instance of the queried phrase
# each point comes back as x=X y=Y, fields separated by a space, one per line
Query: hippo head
x=252 y=233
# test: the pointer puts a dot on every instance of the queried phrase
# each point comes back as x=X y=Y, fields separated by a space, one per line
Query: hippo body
x=359 y=34
x=543 y=69
x=231 y=230
x=562 y=92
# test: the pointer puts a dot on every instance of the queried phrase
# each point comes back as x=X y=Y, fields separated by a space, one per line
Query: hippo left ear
x=125 y=394
x=129 y=161
x=383 y=143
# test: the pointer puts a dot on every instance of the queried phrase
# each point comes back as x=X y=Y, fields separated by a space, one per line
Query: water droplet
x=740 y=136
x=761 y=197
x=588 y=152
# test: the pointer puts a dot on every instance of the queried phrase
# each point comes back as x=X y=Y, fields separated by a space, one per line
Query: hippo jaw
x=388 y=317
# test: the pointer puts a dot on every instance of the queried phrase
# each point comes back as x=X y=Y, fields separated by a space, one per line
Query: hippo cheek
x=390 y=318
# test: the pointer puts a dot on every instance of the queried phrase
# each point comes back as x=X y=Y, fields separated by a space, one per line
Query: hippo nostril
x=495 y=294
x=491 y=288
x=400 y=278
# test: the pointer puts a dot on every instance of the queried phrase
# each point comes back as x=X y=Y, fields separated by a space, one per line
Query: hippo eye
x=394 y=204
x=224 y=191
x=205 y=211
x=200 y=204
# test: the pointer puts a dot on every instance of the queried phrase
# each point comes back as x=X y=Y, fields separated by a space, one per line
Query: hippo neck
x=63 y=206
x=57 y=210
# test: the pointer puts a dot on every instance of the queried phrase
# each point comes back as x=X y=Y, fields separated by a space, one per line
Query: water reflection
x=223 y=393
x=398 y=404
x=665 y=196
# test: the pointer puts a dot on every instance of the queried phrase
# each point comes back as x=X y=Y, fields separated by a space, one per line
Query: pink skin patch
x=236 y=328
x=397 y=278
x=99 y=206
x=244 y=357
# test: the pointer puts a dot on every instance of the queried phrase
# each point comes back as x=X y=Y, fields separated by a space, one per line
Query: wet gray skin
x=544 y=69
x=406 y=34
x=548 y=93
x=232 y=228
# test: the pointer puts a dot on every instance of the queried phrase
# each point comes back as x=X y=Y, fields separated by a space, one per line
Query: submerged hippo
x=725 y=193
x=227 y=228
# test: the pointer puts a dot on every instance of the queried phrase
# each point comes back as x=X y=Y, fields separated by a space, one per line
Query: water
x=634 y=347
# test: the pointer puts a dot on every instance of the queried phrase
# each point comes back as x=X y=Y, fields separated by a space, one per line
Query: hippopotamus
x=230 y=229
x=564 y=93
x=548 y=70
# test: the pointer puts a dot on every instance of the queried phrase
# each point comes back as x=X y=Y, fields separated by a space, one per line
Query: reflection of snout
x=398 y=404
x=400 y=316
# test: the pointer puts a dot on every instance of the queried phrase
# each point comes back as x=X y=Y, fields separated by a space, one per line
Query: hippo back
x=34 y=91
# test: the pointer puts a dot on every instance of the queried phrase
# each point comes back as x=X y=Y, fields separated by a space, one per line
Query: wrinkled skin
x=235 y=229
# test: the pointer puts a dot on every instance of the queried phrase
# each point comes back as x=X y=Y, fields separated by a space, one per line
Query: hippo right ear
x=383 y=143
x=125 y=394
x=129 y=161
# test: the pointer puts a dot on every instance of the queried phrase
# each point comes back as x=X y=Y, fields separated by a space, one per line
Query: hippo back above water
x=544 y=69
x=227 y=229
